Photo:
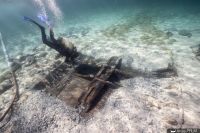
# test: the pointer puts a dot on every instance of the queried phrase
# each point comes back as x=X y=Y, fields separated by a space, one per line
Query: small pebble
x=172 y=122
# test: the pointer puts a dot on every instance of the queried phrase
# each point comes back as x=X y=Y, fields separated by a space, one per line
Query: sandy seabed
x=146 y=41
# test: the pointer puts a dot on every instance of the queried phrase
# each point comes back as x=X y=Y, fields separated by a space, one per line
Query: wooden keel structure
x=77 y=88
x=98 y=83
x=81 y=86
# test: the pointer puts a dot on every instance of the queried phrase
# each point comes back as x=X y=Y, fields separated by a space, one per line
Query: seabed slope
x=146 y=41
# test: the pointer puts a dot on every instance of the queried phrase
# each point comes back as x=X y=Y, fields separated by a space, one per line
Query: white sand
x=142 y=105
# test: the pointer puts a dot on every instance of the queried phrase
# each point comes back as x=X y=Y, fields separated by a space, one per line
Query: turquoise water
x=146 y=34
x=87 y=22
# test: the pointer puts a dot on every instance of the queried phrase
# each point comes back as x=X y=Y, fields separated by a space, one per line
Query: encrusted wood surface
x=96 y=86
x=66 y=83
x=84 y=85
x=73 y=92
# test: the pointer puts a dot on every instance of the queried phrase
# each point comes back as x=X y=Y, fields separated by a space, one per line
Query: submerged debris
x=185 y=33
x=82 y=86
x=169 y=34
x=168 y=72
x=5 y=85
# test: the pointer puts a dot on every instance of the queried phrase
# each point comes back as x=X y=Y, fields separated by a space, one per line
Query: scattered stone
x=172 y=86
x=185 y=33
x=172 y=122
x=172 y=41
x=43 y=54
x=173 y=94
x=6 y=99
x=23 y=98
x=1 y=102
x=30 y=60
x=196 y=51
x=151 y=102
x=171 y=105
x=34 y=71
x=84 y=32
x=169 y=34
x=57 y=63
x=5 y=85
x=23 y=57
x=198 y=57
x=127 y=61
x=57 y=56
x=37 y=49
x=41 y=48
x=5 y=75
x=39 y=86
x=15 y=65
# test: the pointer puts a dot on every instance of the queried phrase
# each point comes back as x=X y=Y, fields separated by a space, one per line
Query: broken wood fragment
x=170 y=71
x=83 y=85
x=96 y=86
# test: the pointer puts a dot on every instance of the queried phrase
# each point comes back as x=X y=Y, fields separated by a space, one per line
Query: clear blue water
x=147 y=34
x=90 y=14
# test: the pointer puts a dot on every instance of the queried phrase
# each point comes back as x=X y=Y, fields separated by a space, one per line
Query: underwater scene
x=103 y=66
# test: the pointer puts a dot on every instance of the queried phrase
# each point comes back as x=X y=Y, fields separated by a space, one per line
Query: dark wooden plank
x=73 y=92
x=96 y=86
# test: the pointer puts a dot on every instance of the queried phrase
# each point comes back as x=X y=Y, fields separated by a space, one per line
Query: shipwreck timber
x=80 y=86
